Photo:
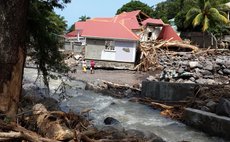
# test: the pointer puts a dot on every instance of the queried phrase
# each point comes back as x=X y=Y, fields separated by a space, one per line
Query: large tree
x=13 y=15
x=187 y=5
x=44 y=28
x=13 y=22
x=205 y=15
x=136 y=5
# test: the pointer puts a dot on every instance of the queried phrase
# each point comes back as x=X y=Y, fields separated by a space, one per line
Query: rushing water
x=131 y=115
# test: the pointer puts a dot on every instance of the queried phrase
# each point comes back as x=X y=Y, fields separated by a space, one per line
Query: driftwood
x=161 y=106
x=115 y=85
x=181 y=45
x=50 y=124
x=55 y=126
x=18 y=132
x=150 y=51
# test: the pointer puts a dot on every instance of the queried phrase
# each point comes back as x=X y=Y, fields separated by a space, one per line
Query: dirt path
x=116 y=76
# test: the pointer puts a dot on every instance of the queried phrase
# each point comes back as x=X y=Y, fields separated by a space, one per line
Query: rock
x=192 y=79
x=151 y=137
x=223 y=107
x=220 y=61
x=226 y=71
x=128 y=92
x=180 y=70
x=208 y=67
x=208 y=76
x=205 y=72
x=216 y=67
x=201 y=58
x=186 y=75
x=211 y=105
x=220 y=72
x=193 y=64
x=188 y=81
x=135 y=133
x=111 y=121
x=227 y=64
x=204 y=108
x=205 y=81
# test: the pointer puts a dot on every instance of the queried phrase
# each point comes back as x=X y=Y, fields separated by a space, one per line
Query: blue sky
x=95 y=8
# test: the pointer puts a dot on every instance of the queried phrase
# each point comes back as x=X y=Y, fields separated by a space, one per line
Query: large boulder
x=111 y=121
x=223 y=108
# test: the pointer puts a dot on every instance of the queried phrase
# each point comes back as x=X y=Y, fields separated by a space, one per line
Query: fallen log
x=180 y=45
x=16 y=132
x=50 y=125
x=161 y=106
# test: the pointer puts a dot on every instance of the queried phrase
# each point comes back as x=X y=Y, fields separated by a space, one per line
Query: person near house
x=92 y=64
x=84 y=65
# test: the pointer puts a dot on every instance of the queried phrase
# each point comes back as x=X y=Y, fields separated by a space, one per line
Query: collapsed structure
x=113 y=42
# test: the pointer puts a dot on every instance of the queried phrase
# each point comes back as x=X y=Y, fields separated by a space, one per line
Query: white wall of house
x=108 y=55
x=122 y=51
x=125 y=51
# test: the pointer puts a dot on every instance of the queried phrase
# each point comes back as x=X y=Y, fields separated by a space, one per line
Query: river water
x=131 y=115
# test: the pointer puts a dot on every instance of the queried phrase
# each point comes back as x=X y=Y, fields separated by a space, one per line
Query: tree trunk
x=12 y=53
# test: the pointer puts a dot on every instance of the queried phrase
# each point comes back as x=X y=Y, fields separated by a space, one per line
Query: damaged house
x=113 y=42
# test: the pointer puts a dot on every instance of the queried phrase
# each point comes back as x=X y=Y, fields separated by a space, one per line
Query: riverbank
x=203 y=98
x=107 y=129
x=131 y=115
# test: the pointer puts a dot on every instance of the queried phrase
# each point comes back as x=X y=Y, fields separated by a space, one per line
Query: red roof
x=153 y=21
x=117 y=27
x=130 y=23
x=72 y=34
x=126 y=15
x=167 y=33
x=101 y=19
x=99 y=29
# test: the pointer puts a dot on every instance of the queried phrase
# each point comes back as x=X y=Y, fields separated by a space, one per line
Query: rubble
x=193 y=65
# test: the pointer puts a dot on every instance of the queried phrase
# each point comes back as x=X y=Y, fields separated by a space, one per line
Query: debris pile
x=176 y=62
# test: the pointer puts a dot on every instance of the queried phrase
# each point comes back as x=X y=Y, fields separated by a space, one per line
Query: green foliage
x=83 y=18
x=205 y=14
x=168 y=9
x=72 y=28
x=44 y=26
x=136 y=5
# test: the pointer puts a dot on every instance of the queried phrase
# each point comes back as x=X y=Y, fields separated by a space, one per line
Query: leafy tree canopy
x=167 y=10
x=44 y=28
x=206 y=14
x=136 y=5
x=178 y=9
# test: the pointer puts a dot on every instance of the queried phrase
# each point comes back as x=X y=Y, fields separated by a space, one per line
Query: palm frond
x=205 y=24
x=192 y=13
x=207 y=5
x=215 y=15
x=198 y=19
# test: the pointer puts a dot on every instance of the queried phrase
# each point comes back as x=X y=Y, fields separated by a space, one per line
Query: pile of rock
x=204 y=67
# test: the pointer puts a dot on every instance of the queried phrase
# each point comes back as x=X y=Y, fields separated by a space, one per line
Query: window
x=110 y=45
